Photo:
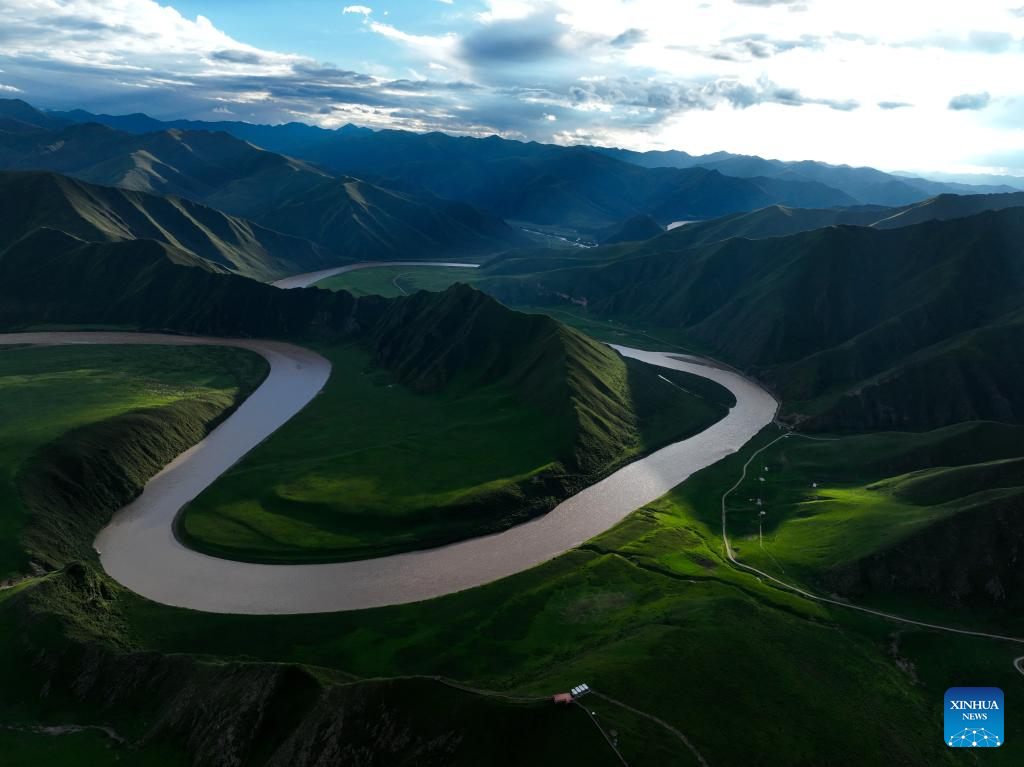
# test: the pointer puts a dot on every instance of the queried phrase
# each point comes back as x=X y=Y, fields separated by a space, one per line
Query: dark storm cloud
x=629 y=38
x=237 y=57
x=969 y=101
x=535 y=37
x=326 y=72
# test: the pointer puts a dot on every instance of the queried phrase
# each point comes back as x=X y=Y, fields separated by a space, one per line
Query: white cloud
x=698 y=75
x=435 y=48
x=9 y=88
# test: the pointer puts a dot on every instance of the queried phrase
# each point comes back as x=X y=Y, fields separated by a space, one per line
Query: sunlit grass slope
x=49 y=394
x=931 y=513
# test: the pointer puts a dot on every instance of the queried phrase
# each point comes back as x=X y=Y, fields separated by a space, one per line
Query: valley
x=401 y=280
x=328 y=444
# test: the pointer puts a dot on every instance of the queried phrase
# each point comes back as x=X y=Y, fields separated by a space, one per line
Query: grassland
x=851 y=513
x=372 y=467
x=649 y=614
x=393 y=281
x=652 y=615
x=48 y=392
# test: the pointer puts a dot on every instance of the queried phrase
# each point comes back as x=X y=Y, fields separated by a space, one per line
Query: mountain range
x=461 y=168
x=868 y=186
x=853 y=313
x=529 y=182
x=345 y=216
x=855 y=327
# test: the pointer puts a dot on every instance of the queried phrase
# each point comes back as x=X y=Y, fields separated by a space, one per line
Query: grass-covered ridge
x=101 y=419
x=29 y=200
x=932 y=514
x=455 y=418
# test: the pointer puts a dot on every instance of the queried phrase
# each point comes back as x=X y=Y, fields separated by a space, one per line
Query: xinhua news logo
x=974 y=717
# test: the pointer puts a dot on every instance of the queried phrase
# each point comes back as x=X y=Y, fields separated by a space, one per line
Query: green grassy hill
x=31 y=200
x=542 y=409
x=948 y=206
x=51 y=277
x=60 y=407
x=916 y=515
x=68 y=661
x=501 y=414
x=854 y=327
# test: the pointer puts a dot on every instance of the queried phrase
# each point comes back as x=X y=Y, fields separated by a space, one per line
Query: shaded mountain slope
x=51 y=277
x=949 y=206
x=855 y=327
x=771 y=221
x=636 y=229
x=462 y=340
x=780 y=220
x=29 y=200
x=367 y=222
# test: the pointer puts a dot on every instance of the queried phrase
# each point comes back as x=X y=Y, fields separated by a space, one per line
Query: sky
x=917 y=85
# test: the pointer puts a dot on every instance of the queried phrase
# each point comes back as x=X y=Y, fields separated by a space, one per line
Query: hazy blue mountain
x=350 y=217
x=530 y=182
x=866 y=185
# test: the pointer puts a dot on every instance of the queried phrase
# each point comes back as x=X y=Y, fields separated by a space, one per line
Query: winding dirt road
x=1018 y=663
